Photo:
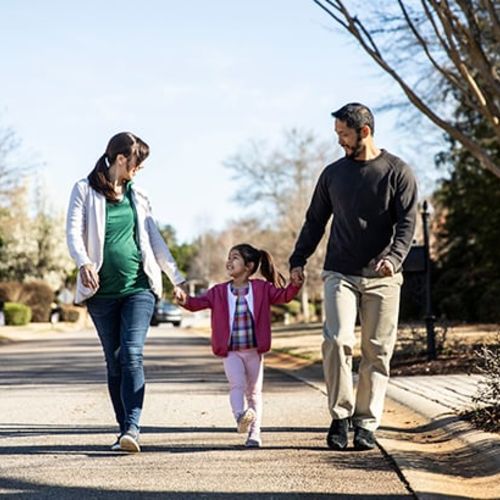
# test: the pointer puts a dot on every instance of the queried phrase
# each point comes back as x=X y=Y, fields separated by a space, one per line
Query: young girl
x=241 y=328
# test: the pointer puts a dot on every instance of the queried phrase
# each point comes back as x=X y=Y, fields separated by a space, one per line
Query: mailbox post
x=417 y=268
x=429 y=316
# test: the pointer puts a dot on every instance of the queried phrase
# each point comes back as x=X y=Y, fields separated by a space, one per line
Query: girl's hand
x=89 y=276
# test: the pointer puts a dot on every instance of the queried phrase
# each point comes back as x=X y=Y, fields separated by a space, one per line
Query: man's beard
x=357 y=150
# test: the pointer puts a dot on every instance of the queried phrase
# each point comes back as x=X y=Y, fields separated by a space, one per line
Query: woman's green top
x=121 y=273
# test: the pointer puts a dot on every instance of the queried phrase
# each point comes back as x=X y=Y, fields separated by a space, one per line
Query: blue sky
x=196 y=80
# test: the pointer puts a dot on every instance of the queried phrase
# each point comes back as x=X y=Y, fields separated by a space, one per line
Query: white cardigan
x=85 y=231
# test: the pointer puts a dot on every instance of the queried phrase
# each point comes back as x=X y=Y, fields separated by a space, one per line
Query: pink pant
x=245 y=373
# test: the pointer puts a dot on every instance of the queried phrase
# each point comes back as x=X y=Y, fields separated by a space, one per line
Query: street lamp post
x=429 y=317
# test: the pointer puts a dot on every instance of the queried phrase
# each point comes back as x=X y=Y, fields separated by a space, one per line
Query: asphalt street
x=56 y=426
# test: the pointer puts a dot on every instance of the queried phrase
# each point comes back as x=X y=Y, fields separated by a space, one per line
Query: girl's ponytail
x=269 y=271
x=263 y=259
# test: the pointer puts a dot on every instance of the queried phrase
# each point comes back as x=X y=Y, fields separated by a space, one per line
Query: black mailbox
x=415 y=260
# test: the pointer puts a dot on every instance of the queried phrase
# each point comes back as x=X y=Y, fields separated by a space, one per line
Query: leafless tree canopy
x=8 y=144
x=280 y=181
x=442 y=53
x=277 y=184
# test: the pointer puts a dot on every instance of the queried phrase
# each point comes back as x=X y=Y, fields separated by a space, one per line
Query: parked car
x=166 y=312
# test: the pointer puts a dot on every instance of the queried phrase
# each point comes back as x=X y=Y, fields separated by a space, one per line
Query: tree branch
x=495 y=22
x=448 y=75
x=477 y=56
x=476 y=150
x=330 y=13
x=446 y=17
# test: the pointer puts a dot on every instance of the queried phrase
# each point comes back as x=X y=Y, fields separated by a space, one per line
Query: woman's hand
x=89 y=276
x=180 y=295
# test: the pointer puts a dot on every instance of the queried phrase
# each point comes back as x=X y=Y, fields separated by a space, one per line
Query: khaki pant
x=377 y=301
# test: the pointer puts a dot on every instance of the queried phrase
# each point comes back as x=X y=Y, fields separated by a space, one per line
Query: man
x=372 y=196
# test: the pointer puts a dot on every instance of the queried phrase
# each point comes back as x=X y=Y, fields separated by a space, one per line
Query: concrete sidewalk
x=451 y=392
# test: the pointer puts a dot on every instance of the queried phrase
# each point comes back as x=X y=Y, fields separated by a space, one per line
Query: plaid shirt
x=242 y=333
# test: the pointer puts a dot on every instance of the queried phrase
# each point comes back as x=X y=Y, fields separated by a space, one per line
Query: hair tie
x=106 y=160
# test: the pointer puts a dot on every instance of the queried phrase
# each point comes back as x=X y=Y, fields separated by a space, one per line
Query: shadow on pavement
x=79 y=362
x=19 y=430
x=19 y=489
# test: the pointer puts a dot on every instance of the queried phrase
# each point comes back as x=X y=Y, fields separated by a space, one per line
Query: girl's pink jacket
x=264 y=294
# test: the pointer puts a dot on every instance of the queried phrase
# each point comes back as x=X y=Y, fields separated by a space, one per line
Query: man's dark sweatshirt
x=374 y=207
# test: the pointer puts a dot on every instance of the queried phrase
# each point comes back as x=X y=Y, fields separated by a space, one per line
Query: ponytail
x=269 y=271
x=263 y=259
x=99 y=178
x=124 y=143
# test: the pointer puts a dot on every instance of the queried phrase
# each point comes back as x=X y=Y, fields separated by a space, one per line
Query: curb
x=485 y=444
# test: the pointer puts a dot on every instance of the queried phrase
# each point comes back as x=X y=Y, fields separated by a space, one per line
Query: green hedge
x=16 y=314
x=36 y=294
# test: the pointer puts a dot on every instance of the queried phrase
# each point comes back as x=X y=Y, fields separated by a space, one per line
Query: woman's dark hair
x=356 y=116
x=263 y=258
x=125 y=143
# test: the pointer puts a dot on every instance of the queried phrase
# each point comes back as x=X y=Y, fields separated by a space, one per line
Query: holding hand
x=180 y=294
x=384 y=267
x=297 y=276
x=89 y=276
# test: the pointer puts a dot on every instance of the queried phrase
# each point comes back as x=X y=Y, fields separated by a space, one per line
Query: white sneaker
x=116 y=445
x=245 y=420
x=130 y=442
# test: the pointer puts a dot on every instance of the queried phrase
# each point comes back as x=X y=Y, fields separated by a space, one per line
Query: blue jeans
x=122 y=325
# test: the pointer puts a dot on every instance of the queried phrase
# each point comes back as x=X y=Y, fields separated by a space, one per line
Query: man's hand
x=384 y=267
x=89 y=276
x=297 y=276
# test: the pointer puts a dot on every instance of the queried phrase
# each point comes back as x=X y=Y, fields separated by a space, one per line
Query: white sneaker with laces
x=245 y=420
x=130 y=442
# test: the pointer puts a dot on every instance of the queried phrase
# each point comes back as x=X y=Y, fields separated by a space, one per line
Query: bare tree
x=280 y=182
x=442 y=53
x=17 y=247
x=278 y=185
x=33 y=245
x=12 y=168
